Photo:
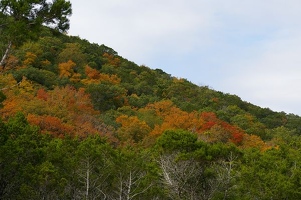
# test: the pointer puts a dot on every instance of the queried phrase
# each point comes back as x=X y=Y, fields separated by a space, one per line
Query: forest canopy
x=79 y=121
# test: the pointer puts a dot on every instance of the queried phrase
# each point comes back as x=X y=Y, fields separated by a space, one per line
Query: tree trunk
x=87 y=180
x=4 y=57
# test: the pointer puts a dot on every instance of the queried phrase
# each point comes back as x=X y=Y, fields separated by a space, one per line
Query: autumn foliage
x=95 y=77
x=50 y=124
x=78 y=121
x=92 y=90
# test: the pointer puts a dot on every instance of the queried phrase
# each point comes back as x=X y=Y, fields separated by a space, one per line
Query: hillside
x=80 y=121
x=116 y=86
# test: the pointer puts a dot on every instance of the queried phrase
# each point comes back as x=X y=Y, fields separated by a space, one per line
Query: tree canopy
x=78 y=121
x=23 y=19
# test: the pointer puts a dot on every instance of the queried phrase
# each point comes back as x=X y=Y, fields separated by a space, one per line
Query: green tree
x=274 y=174
x=193 y=169
x=20 y=153
x=135 y=176
x=21 y=20
x=73 y=51
x=106 y=96
x=91 y=172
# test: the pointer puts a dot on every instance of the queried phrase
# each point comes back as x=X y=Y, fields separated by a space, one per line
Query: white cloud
x=273 y=78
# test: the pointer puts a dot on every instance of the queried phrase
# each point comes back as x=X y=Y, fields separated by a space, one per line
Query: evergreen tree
x=21 y=20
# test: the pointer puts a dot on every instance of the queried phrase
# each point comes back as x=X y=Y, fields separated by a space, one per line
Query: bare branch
x=4 y=57
x=6 y=88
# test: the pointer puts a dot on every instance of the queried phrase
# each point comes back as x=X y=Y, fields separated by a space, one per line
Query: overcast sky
x=251 y=48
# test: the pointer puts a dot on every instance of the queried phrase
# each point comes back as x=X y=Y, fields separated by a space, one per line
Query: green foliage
x=141 y=150
x=2 y=98
x=73 y=52
x=43 y=77
x=271 y=174
x=19 y=153
x=178 y=140
x=195 y=169
x=24 y=19
x=106 y=96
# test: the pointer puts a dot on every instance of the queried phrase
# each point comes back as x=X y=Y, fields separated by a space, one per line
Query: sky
x=250 y=48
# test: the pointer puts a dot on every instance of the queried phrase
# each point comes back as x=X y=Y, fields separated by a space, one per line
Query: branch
x=144 y=190
x=2 y=62
x=6 y=88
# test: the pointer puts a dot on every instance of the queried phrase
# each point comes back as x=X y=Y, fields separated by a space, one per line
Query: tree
x=135 y=176
x=274 y=174
x=106 y=96
x=67 y=69
x=132 y=129
x=73 y=51
x=23 y=20
x=193 y=169
x=93 y=168
x=19 y=153
x=95 y=77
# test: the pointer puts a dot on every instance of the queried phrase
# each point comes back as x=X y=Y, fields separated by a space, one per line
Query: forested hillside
x=79 y=121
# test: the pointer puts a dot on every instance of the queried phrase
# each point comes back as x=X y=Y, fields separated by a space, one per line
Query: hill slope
x=117 y=87
x=78 y=121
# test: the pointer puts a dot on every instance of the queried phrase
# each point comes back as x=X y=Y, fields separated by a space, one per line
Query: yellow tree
x=30 y=58
x=132 y=130
x=254 y=141
x=17 y=95
x=67 y=70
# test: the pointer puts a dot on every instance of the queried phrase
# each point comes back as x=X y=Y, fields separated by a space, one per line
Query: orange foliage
x=10 y=108
x=50 y=124
x=132 y=129
x=94 y=76
x=111 y=59
x=75 y=108
x=92 y=73
x=11 y=62
x=209 y=120
x=66 y=69
x=218 y=130
x=237 y=138
x=59 y=112
x=75 y=77
x=209 y=116
x=173 y=117
x=162 y=108
x=254 y=141
x=16 y=94
x=42 y=94
x=69 y=102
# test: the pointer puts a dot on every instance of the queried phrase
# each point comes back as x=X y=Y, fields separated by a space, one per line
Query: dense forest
x=79 y=121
